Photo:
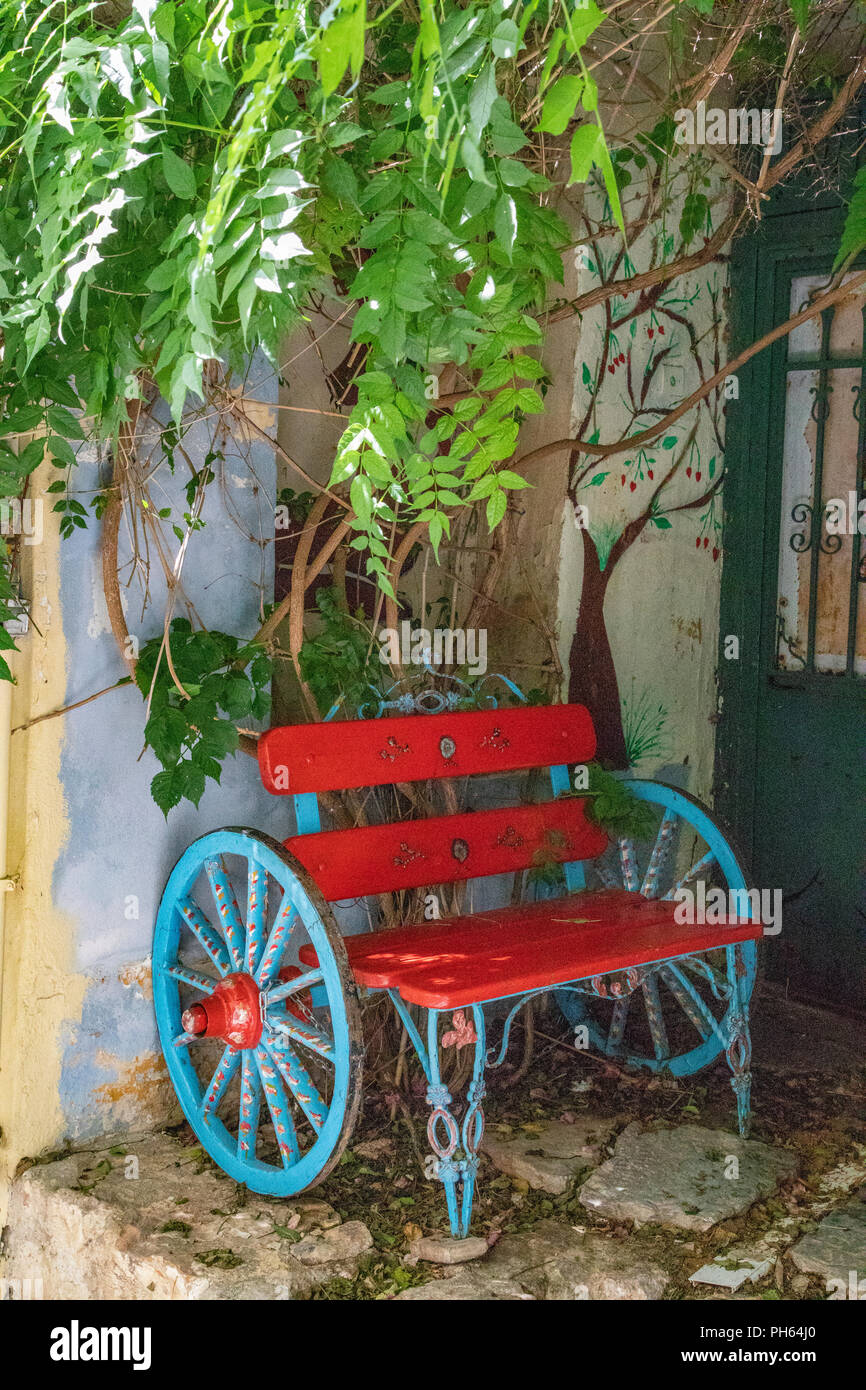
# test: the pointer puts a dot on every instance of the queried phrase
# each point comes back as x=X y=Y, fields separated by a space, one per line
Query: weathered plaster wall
x=79 y=1052
x=662 y=604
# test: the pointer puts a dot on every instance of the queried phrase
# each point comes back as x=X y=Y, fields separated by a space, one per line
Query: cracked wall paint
x=120 y=848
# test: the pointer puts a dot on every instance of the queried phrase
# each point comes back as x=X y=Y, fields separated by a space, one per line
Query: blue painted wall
x=120 y=848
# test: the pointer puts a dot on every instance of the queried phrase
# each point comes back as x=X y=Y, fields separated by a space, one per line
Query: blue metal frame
x=455 y=1148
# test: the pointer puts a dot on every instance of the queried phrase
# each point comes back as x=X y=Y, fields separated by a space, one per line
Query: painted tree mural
x=639 y=353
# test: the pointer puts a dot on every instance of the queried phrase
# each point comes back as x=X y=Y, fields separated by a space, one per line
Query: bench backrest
x=302 y=759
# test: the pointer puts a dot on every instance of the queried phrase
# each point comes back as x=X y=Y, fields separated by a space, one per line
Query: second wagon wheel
x=264 y=1053
x=678 y=1017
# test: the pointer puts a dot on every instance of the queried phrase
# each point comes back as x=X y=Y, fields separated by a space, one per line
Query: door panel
x=793 y=729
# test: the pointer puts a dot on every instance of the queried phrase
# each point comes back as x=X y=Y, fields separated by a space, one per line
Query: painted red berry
x=632 y=485
x=649 y=472
x=706 y=541
x=689 y=471
x=650 y=332
x=715 y=552
x=611 y=368
x=698 y=477
x=697 y=542
x=621 y=357
x=622 y=480
x=661 y=329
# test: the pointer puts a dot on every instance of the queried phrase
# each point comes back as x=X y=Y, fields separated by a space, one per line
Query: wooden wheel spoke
x=617 y=1025
x=203 y=931
x=304 y=1033
x=305 y=981
x=257 y=912
x=279 y=935
x=689 y=1001
x=299 y=1081
x=192 y=977
x=661 y=850
x=628 y=863
x=225 y=1070
x=694 y=873
x=655 y=1017
x=228 y=911
x=249 y=1106
x=278 y=1106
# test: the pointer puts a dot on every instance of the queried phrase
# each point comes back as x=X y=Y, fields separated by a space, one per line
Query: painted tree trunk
x=592 y=678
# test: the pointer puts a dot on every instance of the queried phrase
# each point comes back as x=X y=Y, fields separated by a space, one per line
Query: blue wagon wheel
x=678 y=1018
x=264 y=1053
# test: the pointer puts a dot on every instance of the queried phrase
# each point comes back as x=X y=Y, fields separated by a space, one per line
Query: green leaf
x=560 y=104
x=584 y=19
x=506 y=39
x=505 y=223
x=361 y=497
x=497 y=503
x=178 y=174
x=603 y=159
x=481 y=101
x=584 y=149
x=342 y=46
x=471 y=156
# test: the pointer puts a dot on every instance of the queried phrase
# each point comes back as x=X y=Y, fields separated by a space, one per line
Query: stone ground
x=595 y=1184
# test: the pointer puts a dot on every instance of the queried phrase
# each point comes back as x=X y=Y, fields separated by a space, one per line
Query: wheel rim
x=670 y=1016
x=264 y=1053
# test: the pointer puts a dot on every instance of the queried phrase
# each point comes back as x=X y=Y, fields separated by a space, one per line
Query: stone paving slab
x=837 y=1245
x=549 y=1159
x=558 y=1263
x=677 y=1177
x=151 y=1221
x=553 y=1262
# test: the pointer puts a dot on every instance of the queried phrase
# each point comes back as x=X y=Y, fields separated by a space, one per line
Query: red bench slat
x=464 y=960
x=443 y=849
x=300 y=758
x=379 y=957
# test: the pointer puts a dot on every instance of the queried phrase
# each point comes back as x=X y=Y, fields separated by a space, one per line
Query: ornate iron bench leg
x=455 y=1147
x=739 y=1050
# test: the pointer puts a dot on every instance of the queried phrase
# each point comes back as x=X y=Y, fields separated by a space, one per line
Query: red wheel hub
x=232 y=1013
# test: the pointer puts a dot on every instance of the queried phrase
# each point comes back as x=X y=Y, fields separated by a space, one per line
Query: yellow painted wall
x=38 y=991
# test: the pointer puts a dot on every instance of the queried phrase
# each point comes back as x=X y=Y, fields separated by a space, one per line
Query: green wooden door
x=792 y=730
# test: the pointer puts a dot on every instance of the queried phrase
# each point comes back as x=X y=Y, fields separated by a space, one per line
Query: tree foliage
x=180 y=181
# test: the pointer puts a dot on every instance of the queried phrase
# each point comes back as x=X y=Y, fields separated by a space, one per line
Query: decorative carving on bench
x=510 y=838
x=407 y=855
x=393 y=749
x=461 y=1033
x=496 y=740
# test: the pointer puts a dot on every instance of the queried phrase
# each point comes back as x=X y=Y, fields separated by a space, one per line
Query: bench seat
x=456 y=961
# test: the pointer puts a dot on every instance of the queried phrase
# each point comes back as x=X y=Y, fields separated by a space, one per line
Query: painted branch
x=636 y=441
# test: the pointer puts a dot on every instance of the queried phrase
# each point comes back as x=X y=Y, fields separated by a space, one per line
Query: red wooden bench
x=633 y=980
